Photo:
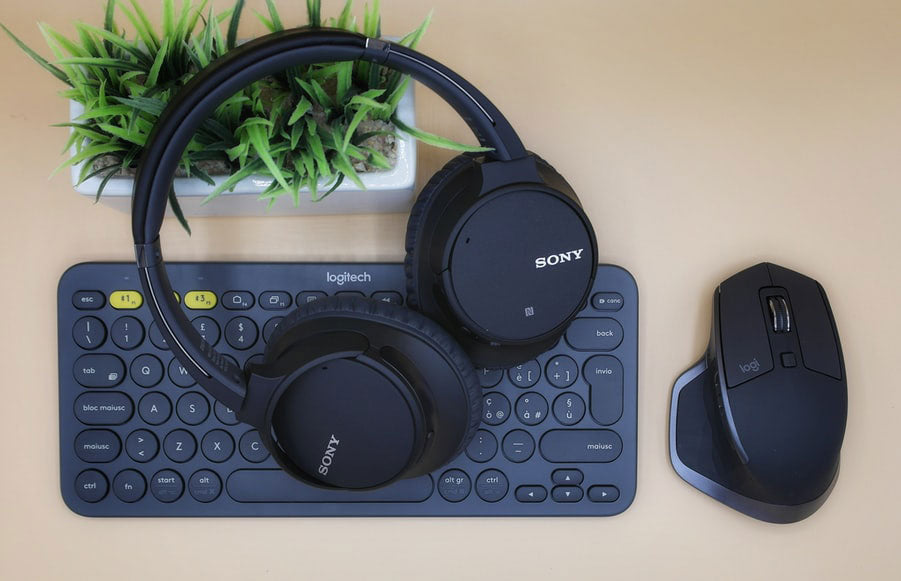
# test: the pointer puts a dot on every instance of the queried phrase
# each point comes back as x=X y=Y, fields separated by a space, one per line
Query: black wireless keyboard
x=139 y=438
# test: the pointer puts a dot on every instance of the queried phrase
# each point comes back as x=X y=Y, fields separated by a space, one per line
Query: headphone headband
x=202 y=95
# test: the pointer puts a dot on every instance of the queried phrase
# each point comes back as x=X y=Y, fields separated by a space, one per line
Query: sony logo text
x=329 y=455
x=555 y=259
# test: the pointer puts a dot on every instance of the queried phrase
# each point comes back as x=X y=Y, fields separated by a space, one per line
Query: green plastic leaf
x=55 y=71
x=143 y=24
x=154 y=73
x=273 y=14
x=101 y=62
x=89 y=152
x=412 y=39
x=131 y=136
x=435 y=140
x=115 y=40
x=314 y=17
x=258 y=139
x=300 y=110
x=358 y=117
x=232 y=36
x=176 y=209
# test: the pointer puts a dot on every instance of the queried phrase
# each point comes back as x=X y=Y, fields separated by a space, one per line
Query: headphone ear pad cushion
x=417 y=217
x=413 y=322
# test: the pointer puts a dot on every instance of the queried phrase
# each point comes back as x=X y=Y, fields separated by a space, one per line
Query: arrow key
x=566 y=494
x=142 y=445
x=569 y=477
x=531 y=493
x=603 y=493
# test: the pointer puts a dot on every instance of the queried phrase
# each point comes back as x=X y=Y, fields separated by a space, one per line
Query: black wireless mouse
x=758 y=423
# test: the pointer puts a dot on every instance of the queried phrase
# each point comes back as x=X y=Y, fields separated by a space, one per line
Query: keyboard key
x=305 y=297
x=562 y=371
x=569 y=476
x=356 y=294
x=495 y=409
x=489 y=377
x=569 y=408
x=179 y=375
x=566 y=494
x=518 y=446
x=531 y=408
x=167 y=486
x=88 y=300
x=491 y=485
x=89 y=333
x=607 y=301
x=192 y=408
x=253 y=360
x=91 y=486
x=127 y=332
x=156 y=337
x=96 y=408
x=154 y=408
x=225 y=414
x=388 y=297
x=531 y=493
x=237 y=300
x=200 y=300
x=97 y=446
x=217 y=446
x=269 y=327
x=525 y=375
x=483 y=447
x=252 y=447
x=126 y=300
x=603 y=494
x=142 y=446
x=276 y=486
x=99 y=370
x=180 y=445
x=454 y=485
x=208 y=329
x=581 y=446
x=241 y=333
x=129 y=486
x=604 y=375
x=594 y=334
x=146 y=370
x=205 y=486
x=275 y=300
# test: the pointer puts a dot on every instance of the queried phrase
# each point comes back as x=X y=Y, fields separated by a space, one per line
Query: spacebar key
x=276 y=486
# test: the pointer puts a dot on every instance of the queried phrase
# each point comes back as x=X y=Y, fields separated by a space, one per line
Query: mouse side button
x=743 y=336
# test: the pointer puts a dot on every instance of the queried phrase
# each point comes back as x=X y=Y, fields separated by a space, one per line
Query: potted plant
x=306 y=133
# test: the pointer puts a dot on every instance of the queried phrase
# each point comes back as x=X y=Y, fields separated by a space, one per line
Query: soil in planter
x=386 y=144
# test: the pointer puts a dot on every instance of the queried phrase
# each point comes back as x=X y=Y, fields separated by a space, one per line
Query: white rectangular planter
x=386 y=191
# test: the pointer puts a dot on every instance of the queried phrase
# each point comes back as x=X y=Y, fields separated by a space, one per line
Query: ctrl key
x=91 y=486
x=167 y=486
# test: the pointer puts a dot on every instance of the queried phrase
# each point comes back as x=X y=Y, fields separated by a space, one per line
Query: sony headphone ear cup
x=412 y=322
x=418 y=213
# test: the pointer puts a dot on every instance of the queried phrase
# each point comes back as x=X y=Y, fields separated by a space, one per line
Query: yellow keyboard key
x=202 y=299
x=127 y=299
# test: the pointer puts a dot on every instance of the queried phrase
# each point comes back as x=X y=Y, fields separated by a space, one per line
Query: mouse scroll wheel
x=779 y=314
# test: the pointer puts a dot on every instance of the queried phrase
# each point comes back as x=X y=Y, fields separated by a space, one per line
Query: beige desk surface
x=702 y=136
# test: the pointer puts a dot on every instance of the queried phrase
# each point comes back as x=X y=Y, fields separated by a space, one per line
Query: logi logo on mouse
x=752 y=366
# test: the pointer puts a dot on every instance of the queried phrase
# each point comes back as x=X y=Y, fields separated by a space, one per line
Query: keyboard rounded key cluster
x=142 y=438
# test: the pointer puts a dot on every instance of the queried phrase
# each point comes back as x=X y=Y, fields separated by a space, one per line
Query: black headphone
x=500 y=258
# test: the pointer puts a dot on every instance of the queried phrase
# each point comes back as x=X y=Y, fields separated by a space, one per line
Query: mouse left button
x=743 y=333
